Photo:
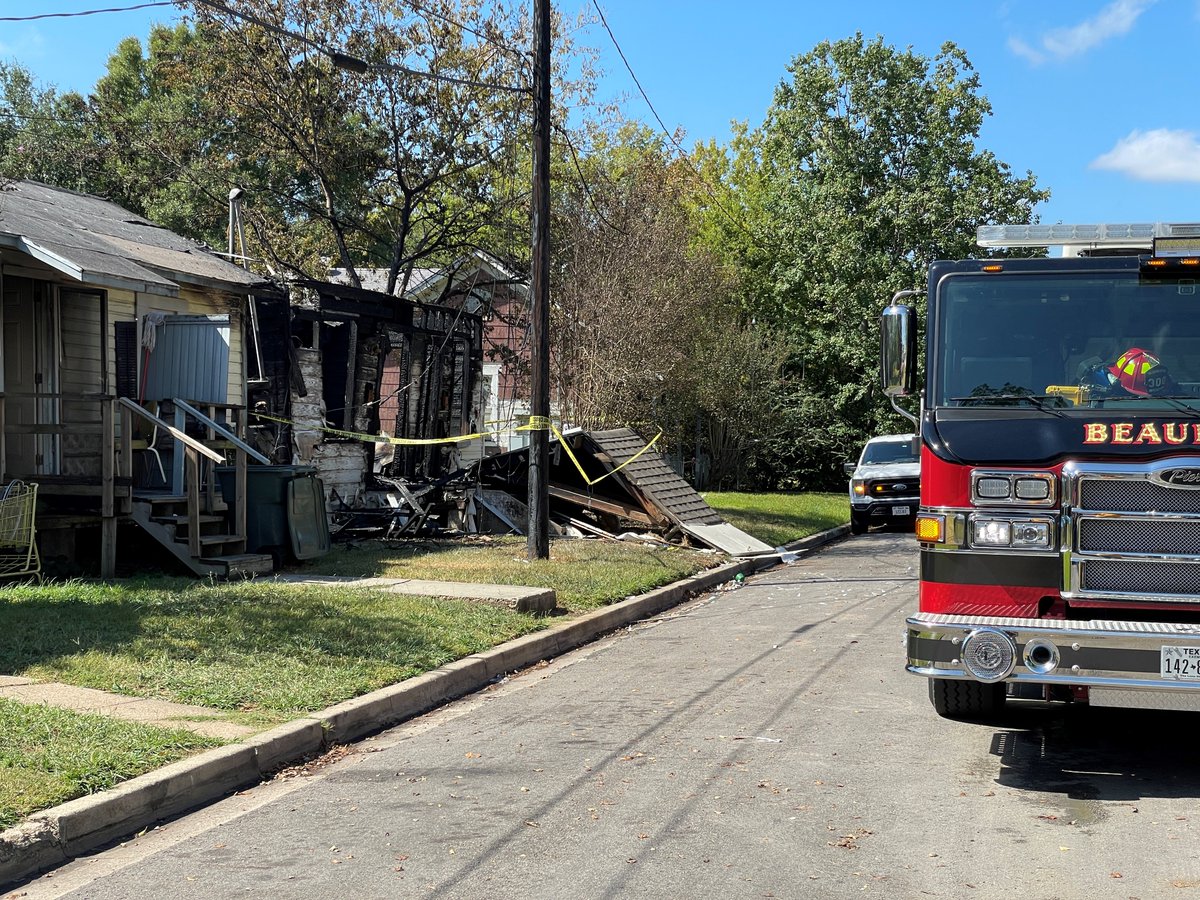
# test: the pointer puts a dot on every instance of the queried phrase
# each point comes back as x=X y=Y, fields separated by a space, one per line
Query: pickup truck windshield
x=884 y=452
x=1056 y=342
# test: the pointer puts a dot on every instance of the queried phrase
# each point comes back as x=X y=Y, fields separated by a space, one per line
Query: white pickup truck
x=885 y=483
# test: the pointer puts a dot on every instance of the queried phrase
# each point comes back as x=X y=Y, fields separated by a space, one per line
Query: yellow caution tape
x=591 y=481
x=536 y=423
x=377 y=438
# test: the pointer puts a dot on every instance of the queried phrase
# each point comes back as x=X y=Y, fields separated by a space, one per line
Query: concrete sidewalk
x=515 y=597
x=162 y=713
x=52 y=837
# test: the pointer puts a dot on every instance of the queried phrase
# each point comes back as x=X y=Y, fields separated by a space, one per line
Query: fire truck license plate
x=901 y=510
x=1181 y=663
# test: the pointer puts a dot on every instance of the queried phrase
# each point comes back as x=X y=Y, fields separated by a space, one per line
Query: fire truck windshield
x=1065 y=340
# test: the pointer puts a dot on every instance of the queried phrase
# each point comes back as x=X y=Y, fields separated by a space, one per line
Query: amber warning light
x=931 y=528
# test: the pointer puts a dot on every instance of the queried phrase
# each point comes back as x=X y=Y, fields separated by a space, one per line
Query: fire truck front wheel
x=956 y=699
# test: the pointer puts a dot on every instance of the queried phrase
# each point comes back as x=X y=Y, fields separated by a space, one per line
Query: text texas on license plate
x=1180 y=663
x=901 y=511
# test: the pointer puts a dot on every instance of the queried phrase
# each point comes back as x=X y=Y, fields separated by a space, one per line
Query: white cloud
x=1157 y=155
x=1020 y=48
x=29 y=44
x=1114 y=20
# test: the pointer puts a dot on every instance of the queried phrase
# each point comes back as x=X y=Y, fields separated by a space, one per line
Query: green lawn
x=780 y=518
x=262 y=652
x=585 y=573
x=49 y=756
x=259 y=651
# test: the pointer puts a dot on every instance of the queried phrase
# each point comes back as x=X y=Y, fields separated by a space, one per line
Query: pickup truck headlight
x=858 y=486
x=1019 y=534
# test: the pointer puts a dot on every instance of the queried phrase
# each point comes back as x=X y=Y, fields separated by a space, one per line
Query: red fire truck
x=1059 y=528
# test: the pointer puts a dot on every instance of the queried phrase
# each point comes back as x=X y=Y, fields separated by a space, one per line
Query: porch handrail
x=185 y=439
x=221 y=430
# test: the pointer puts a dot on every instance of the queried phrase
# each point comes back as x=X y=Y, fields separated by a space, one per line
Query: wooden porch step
x=182 y=519
x=244 y=563
x=208 y=540
x=156 y=497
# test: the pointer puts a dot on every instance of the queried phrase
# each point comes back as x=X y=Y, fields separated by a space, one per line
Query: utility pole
x=539 y=324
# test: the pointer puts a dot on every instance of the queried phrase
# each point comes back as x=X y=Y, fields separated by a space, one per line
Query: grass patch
x=262 y=652
x=265 y=651
x=586 y=574
x=49 y=756
x=779 y=518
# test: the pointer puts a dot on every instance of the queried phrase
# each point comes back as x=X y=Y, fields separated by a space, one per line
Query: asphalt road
x=757 y=742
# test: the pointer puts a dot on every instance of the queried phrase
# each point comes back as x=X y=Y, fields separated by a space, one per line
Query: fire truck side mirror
x=898 y=350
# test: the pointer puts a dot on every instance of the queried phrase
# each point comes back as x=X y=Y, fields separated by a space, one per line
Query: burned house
x=350 y=368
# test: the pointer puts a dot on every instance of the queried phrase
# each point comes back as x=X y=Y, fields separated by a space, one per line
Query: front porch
x=175 y=499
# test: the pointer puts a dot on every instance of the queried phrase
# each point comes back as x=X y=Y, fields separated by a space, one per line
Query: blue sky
x=1093 y=97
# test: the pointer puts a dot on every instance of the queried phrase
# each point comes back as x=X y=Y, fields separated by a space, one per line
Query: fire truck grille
x=1169 y=579
x=1122 y=529
x=1139 y=536
x=1136 y=496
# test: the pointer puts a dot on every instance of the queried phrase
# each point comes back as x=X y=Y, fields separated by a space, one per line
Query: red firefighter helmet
x=1137 y=371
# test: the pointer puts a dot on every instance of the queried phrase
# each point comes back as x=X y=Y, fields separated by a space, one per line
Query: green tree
x=44 y=135
x=415 y=161
x=866 y=169
x=644 y=328
x=166 y=148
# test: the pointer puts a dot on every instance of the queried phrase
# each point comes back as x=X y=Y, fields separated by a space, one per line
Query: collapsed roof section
x=607 y=479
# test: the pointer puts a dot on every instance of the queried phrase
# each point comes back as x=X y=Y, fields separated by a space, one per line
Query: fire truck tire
x=858 y=523
x=955 y=699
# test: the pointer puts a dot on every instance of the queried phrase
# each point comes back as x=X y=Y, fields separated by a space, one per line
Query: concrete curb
x=55 y=836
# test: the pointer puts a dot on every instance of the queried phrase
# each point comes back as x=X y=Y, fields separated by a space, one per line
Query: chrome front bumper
x=1097 y=654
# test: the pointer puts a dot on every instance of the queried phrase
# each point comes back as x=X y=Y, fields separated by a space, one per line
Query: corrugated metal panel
x=190 y=360
x=650 y=476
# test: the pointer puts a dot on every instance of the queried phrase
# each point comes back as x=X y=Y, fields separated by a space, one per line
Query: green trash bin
x=285 y=510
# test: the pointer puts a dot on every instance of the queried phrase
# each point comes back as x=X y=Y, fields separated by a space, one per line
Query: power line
x=84 y=12
x=583 y=182
x=426 y=11
x=345 y=60
x=671 y=137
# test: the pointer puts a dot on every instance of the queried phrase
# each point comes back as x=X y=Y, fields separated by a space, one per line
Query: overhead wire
x=426 y=11
x=587 y=190
x=348 y=61
x=85 y=12
x=683 y=154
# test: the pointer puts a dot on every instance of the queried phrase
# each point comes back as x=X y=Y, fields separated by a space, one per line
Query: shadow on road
x=1093 y=753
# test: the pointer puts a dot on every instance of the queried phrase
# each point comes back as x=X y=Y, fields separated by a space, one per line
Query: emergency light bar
x=1125 y=235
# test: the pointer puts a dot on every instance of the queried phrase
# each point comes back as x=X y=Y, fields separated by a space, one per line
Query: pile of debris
x=601 y=483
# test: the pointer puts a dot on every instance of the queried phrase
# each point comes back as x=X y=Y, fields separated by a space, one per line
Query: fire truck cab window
x=1055 y=340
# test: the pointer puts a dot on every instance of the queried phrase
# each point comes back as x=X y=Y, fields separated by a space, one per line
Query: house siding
x=79 y=373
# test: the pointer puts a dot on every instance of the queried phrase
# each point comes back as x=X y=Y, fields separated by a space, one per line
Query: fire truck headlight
x=1033 y=489
x=991 y=533
x=1018 y=534
x=989 y=654
x=1023 y=488
x=993 y=488
x=1031 y=534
